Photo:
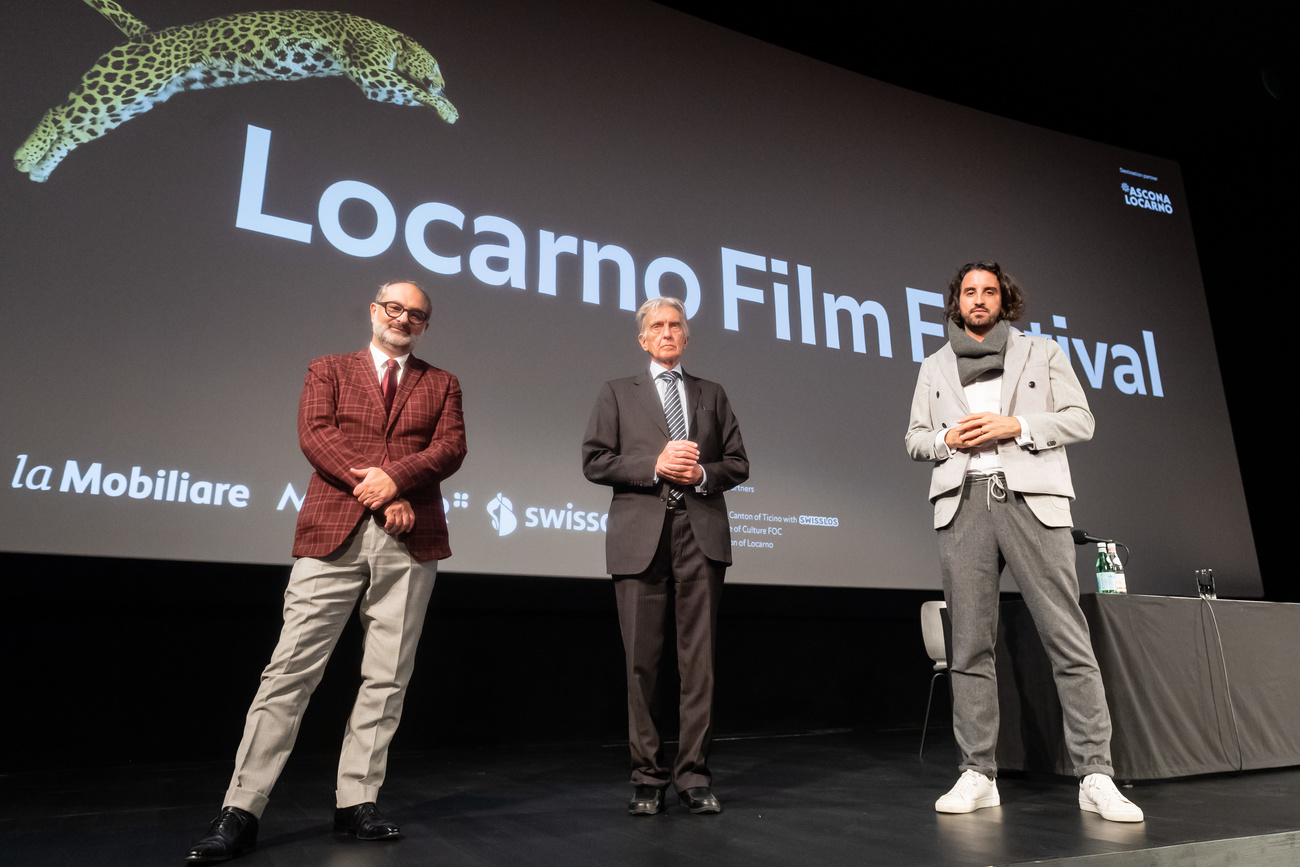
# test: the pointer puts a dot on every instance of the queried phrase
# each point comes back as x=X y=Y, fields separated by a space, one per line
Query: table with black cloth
x=1173 y=711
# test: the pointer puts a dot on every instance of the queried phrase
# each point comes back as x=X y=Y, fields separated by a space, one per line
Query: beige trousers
x=393 y=590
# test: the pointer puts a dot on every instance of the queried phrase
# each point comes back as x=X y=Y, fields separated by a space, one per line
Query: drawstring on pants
x=995 y=488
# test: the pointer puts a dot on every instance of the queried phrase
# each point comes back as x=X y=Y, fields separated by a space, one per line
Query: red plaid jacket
x=342 y=424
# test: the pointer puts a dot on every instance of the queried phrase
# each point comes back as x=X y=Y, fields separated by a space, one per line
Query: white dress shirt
x=381 y=361
x=984 y=395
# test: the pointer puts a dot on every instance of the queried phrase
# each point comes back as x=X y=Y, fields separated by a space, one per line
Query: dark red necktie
x=388 y=384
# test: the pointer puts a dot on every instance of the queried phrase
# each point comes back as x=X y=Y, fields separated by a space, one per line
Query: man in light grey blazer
x=669 y=445
x=993 y=411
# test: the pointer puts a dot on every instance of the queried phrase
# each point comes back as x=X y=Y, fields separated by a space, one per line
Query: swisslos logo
x=502 y=512
x=503 y=515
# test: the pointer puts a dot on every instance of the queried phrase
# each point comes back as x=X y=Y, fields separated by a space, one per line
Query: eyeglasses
x=394 y=310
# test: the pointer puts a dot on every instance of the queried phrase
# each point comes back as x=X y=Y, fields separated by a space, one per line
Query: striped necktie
x=673 y=413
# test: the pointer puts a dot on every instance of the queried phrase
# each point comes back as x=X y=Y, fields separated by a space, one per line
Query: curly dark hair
x=1013 y=300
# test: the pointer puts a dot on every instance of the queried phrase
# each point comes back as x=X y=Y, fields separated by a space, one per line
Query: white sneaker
x=1097 y=794
x=973 y=791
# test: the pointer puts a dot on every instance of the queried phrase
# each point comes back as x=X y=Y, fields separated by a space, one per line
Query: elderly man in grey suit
x=993 y=411
x=669 y=445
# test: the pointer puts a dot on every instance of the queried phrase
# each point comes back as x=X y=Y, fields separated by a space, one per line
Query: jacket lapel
x=365 y=371
x=1014 y=365
x=692 y=401
x=410 y=377
x=952 y=379
x=648 y=393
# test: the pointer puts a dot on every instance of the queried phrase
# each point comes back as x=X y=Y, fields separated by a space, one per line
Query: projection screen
x=170 y=273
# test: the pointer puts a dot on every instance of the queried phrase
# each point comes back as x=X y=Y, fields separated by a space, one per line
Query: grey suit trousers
x=984 y=535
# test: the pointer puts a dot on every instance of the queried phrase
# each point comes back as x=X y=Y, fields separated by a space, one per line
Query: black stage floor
x=823 y=798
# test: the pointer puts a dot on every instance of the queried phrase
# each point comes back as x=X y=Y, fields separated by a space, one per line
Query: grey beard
x=406 y=343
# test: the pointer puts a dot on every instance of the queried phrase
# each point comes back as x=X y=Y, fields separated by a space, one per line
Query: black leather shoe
x=699 y=800
x=230 y=835
x=646 y=801
x=364 y=821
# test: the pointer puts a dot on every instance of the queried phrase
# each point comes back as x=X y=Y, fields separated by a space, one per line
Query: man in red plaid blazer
x=381 y=429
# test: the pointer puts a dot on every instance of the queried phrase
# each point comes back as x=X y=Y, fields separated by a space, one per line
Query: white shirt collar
x=656 y=368
x=380 y=359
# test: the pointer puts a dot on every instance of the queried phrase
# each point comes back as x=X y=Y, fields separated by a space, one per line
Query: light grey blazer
x=1038 y=385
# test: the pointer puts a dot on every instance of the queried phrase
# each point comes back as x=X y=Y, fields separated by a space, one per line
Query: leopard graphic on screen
x=152 y=65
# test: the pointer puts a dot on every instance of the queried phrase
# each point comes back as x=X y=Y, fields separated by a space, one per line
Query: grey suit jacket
x=626 y=433
x=1039 y=385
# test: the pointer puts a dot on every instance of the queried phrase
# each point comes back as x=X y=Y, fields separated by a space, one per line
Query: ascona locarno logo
x=503 y=515
x=1140 y=198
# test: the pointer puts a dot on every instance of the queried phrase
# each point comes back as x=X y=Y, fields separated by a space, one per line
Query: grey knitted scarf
x=974 y=357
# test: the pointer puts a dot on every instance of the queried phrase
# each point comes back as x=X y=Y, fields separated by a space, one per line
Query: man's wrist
x=1023 y=438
